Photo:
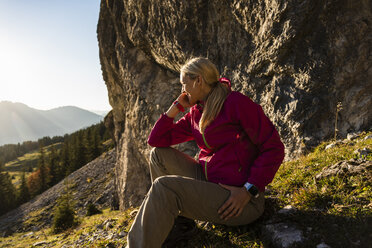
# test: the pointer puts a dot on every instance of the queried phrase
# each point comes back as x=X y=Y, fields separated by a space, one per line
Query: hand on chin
x=186 y=100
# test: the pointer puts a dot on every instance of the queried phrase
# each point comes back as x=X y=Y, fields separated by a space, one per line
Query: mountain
x=100 y=112
x=19 y=123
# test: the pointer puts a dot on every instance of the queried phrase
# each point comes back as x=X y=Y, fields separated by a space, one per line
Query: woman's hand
x=183 y=99
x=234 y=206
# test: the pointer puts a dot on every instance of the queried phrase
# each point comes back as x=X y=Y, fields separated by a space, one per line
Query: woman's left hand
x=234 y=206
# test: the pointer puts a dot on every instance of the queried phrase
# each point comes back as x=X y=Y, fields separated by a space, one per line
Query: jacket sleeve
x=263 y=134
x=166 y=133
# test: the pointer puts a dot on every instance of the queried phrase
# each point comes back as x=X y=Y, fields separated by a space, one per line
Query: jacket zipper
x=205 y=142
x=205 y=165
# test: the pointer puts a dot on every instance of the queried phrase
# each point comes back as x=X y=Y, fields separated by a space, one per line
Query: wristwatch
x=252 y=189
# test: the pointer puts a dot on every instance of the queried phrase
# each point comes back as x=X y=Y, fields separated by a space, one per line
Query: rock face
x=297 y=59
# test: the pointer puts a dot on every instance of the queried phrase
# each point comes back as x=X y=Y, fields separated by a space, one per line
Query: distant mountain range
x=19 y=123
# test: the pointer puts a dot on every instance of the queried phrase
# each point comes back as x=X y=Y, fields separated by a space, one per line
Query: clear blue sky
x=49 y=54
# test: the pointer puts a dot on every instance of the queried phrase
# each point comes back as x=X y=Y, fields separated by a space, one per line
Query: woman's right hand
x=183 y=99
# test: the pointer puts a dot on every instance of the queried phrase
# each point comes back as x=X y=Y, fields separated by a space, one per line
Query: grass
x=122 y=222
x=336 y=210
x=27 y=162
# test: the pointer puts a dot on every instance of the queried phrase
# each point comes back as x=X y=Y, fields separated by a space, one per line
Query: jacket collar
x=200 y=105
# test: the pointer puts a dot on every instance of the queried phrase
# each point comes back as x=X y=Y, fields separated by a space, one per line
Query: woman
x=240 y=151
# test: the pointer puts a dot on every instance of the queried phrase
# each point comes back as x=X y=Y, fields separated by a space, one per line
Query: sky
x=49 y=54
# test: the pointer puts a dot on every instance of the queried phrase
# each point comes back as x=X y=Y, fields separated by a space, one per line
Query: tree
x=7 y=193
x=64 y=215
x=23 y=192
x=33 y=183
x=44 y=175
x=53 y=167
x=65 y=159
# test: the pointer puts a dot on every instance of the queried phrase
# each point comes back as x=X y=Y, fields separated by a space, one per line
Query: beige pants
x=179 y=188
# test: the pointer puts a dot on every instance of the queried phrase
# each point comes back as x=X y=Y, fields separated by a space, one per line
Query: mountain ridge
x=19 y=122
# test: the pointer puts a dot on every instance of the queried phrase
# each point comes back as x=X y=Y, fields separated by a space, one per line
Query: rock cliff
x=297 y=59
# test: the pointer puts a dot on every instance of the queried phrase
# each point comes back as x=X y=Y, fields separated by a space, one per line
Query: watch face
x=254 y=191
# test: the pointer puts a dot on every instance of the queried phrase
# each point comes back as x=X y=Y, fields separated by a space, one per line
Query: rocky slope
x=298 y=59
x=93 y=183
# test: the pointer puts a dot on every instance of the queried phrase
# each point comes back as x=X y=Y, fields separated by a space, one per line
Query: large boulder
x=297 y=59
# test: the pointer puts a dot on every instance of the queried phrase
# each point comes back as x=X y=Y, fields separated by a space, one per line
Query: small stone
x=283 y=234
x=108 y=225
x=362 y=152
x=309 y=229
x=351 y=136
x=330 y=146
x=40 y=243
x=286 y=210
x=323 y=245
x=122 y=234
x=134 y=213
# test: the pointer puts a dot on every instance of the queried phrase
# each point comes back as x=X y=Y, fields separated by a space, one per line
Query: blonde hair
x=207 y=70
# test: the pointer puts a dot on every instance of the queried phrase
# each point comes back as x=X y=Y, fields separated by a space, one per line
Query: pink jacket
x=241 y=145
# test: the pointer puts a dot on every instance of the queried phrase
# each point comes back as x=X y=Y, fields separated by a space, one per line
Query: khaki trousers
x=179 y=188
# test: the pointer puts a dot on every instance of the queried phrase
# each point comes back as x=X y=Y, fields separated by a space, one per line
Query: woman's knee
x=156 y=154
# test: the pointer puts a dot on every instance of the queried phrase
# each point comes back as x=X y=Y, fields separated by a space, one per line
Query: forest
x=55 y=158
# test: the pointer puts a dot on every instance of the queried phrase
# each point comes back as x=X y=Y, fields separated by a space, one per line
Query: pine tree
x=65 y=160
x=97 y=147
x=89 y=145
x=2 y=165
x=53 y=167
x=23 y=192
x=80 y=151
x=64 y=215
x=44 y=175
x=7 y=193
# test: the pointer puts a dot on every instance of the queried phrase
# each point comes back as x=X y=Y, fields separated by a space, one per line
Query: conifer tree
x=23 y=192
x=65 y=159
x=97 y=147
x=64 y=215
x=44 y=177
x=7 y=193
x=80 y=151
x=89 y=145
x=53 y=167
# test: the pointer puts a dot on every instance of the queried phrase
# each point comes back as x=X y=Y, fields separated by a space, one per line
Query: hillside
x=91 y=183
x=18 y=122
x=323 y=198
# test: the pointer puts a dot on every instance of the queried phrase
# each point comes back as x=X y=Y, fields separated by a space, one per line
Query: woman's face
x=191 y=87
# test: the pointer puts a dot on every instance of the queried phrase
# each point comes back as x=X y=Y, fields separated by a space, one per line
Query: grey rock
x=298 y=70
x=40 y=243
x=30 y=234
x=287 y=210
x=362 y=152
x=283 y=235
x=350 y=167
x=122 y=234
x=330 y=146
x=352 y=136
x=323 y=245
